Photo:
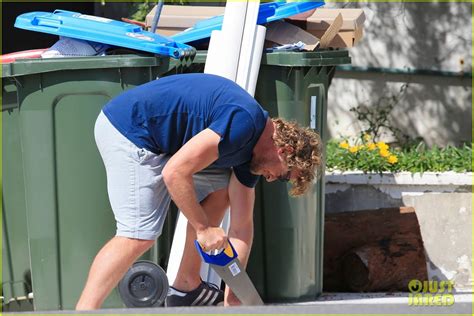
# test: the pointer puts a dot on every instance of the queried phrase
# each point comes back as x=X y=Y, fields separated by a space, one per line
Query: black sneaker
x=205 y=294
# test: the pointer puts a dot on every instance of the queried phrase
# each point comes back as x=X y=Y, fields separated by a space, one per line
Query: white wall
x=428 y=36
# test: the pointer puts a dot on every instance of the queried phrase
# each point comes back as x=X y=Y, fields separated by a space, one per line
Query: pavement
x=328 y=303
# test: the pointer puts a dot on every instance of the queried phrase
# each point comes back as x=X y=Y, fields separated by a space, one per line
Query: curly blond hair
x=306 y=156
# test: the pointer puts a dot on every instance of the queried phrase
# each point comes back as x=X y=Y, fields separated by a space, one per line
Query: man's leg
x=139 y=200
x=109 y=266
x=188 y=277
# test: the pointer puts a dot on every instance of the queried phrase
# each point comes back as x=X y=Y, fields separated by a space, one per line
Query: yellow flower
x=354 y=149
x=382 y=146
x=392 y=159
x=344 y=145
x=367 y=137
x=384 y=153
x=371 y=146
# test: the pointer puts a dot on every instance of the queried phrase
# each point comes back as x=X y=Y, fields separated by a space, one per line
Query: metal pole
x=156 y=18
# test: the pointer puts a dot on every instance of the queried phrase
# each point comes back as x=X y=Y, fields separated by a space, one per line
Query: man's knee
x=143 y=244
x=139 y=245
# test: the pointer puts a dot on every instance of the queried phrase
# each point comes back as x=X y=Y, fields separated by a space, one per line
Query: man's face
x=272 y=165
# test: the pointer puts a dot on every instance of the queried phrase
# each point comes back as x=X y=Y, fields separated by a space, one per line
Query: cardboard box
x=350 y=33
x=322 y=18
x=343 y=39
x=177 y=18
x=281 y=32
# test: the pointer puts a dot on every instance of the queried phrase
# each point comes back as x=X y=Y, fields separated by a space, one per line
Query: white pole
x=224 y=49
x=177 y=248
x=247 y=44
x=257 y=50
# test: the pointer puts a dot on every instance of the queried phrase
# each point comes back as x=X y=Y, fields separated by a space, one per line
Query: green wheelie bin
x=287 y=255
x=16 y=273
x=56 y=214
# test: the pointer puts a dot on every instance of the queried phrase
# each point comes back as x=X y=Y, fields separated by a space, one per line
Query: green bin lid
x=24 y=67
x=297 y=59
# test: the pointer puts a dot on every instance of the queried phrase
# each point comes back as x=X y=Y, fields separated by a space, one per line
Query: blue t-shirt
x=164 y=114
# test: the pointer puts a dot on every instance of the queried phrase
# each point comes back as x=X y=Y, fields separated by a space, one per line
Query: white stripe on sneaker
x=199 y=297
x=211 y=302
x=206 y=299
x=173 y=291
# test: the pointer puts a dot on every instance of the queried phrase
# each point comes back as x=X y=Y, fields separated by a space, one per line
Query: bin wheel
x=144 y=285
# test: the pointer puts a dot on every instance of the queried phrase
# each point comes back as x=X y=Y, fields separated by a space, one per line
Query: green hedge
x=367 y=156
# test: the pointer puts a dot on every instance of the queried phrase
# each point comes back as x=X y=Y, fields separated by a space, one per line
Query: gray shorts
x=137 y=193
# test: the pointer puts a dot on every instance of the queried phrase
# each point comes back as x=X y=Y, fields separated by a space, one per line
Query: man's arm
x=198 y=153
x=242 y=201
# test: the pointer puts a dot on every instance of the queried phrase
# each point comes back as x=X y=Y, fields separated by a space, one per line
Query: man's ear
x=289 y=149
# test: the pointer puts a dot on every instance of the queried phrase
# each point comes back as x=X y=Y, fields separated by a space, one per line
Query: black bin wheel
x=144 y=285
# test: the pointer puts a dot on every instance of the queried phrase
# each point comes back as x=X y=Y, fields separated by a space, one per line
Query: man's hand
x=212 y=238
